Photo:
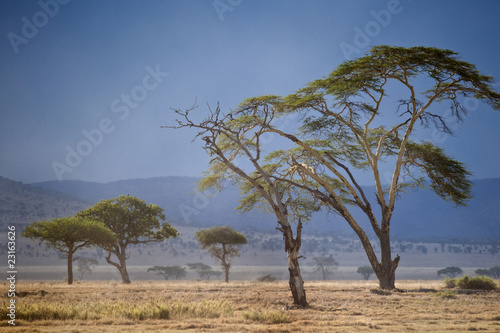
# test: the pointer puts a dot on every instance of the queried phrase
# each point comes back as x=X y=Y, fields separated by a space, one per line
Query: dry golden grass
x=193 y=306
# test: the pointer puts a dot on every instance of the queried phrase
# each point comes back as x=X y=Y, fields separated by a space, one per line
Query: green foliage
x=476 y=282
x=67 y=234
x=365 y=271
x=169 y=271
x=131 y=220
x=220 y=235
x=449 y=178
x=450 y=272
x=450 y=282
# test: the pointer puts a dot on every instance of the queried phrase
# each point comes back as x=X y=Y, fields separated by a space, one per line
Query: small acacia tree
x=204 y=271
x=221 y=243
x=168 y=271
x=85 y=265
x=365 y=271
x=451 y=272
x=69 y=234
x=133 y=222
x=325 y=265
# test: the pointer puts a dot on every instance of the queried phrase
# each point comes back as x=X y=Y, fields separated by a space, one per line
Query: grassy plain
x=244 y=306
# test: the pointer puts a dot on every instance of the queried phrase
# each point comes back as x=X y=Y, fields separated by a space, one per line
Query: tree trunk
x=123 y=270
x=225 y=265
x=122 y=266
x=386 y=272
x=295 y=281
x=292 y=247
x=226 y=274
x=70 y=267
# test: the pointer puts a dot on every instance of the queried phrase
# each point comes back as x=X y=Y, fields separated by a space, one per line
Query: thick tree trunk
x=70 y=267
x=123 y=271
x=295 y=281
x=386 y=272
x=292 y=247
x=122 y=266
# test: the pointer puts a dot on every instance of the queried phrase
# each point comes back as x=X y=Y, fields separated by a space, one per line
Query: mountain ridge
x=418 y=214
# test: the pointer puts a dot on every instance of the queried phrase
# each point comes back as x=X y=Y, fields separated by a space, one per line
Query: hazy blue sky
x=71 y=67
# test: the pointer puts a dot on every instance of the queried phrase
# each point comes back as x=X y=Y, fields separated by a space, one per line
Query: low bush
x=476 y=282
x=450 y=283
x=267 y=278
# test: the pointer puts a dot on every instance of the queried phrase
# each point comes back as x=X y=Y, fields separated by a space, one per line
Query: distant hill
x=21 y=203
x=183 y=204
x=418 y=214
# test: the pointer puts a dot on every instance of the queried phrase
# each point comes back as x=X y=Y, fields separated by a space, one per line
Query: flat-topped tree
x=221 y=243
x=133 y=222
x=362 y=117
x=69 y=234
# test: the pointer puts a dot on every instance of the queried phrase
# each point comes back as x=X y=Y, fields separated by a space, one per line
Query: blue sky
x=99 y=78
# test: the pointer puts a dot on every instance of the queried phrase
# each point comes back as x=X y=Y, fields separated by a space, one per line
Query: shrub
x=476 y=282
x=450 y=283
x=267 y=278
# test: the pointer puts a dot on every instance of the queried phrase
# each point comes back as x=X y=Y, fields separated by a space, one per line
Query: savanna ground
x=243 y=306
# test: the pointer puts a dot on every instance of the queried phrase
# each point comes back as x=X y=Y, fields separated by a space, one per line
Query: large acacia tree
x=133 y=222
x=221 y=243
x=69 y=234
x=364 y=117
x=235 y=145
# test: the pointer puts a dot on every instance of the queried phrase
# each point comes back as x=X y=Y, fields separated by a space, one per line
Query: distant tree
x=169 y=271
x=85 y=265
x=69 y=234
x=221 y=243
x=493 y=272
x=325 y=265
x=365 y=271
x=133 y=222
x=204 y=271
x=450 y=272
